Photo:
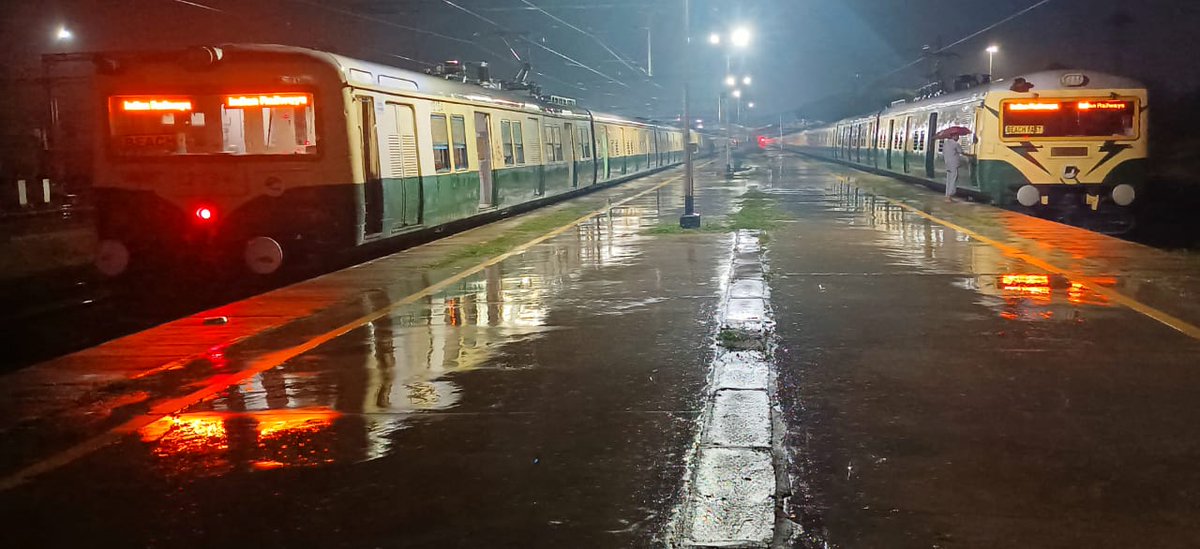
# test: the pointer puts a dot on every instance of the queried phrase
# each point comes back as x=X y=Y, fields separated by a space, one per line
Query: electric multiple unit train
x=257 y=153
x=1047 y=140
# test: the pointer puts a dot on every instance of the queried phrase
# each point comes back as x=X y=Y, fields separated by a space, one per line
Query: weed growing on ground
x=759 y=212
x=522 y=233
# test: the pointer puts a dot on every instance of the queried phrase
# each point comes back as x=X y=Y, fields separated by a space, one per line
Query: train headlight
x=112 y=257
x=1124 y=194
x=1028 y=195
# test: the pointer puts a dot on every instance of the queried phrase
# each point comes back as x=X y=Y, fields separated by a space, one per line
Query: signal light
x=205 y=214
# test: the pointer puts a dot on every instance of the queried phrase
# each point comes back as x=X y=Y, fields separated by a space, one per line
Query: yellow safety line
x=277 y=358
x=1171 y=321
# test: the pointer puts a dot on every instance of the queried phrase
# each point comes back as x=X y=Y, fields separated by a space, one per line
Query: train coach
x=1050 y=140
x=256 y=154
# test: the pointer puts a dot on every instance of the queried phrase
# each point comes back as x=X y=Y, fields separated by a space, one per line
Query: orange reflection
x=1078 y=294
x=271 y=424
x=1025 y=280
x=1035 y=286
x=1041 y=288
x=263 y=440
x=198 y=426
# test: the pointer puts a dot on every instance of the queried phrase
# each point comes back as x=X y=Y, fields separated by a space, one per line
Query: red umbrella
x=952 y=131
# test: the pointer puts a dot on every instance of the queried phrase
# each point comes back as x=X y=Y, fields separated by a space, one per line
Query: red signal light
x=204 y=213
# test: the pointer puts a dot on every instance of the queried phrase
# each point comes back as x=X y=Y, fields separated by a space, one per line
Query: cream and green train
x=258 y=153
x=1046 y=140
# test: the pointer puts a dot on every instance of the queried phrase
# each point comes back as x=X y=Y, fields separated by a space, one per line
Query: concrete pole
x=690 y=219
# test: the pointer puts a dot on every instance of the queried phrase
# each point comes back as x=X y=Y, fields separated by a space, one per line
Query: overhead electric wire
x=237 y=15
x=583 y=32
x=538 y=44
x=970 y=36
x=393 y=24
x=201 y=6
x=1019 y=13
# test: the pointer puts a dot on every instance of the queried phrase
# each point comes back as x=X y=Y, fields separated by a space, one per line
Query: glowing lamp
x=204 y=213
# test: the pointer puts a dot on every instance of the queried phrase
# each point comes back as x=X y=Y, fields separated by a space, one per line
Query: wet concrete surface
x=937 y=390
x=547 y=400
x=943 y=392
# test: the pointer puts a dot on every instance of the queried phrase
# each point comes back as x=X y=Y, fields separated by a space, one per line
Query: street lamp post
x=738 y=38
x=690 y=218
x=991 y=51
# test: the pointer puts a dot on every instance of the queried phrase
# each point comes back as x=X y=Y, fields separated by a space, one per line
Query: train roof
x=1042 y=81
x=356 y=72
x=379 y=75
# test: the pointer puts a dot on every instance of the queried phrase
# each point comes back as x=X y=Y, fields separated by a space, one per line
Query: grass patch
x=522 y=233
x=740 y=340
x=759 y=212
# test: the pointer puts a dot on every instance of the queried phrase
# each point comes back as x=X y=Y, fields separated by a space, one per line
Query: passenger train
x=258 y=153
x=1048 y=140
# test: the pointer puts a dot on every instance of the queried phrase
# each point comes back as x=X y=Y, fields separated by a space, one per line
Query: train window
x=518 y=142
x=252 y=124
x=548 y=141
x=441 y=142
x=1084 y=118
x=585 y=144
x=458 y=131
x=553 y=140
x=506 y=141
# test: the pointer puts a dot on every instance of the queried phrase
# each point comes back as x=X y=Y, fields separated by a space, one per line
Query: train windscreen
x=237 y=125
x=1076 y=118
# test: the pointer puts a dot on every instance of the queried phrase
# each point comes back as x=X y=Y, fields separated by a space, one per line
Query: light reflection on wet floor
x=1011 y=287
x=342 y=401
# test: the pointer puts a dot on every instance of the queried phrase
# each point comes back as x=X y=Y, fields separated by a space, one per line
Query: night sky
x=803 y=50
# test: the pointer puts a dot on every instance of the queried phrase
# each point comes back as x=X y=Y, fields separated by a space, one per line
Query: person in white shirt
x=954 y=155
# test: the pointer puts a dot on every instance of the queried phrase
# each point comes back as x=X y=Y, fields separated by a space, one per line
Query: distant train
x=1050 y=139
x=257 y=153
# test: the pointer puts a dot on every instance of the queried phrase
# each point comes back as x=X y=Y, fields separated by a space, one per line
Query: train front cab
x=1064 y=148
x=218 y=161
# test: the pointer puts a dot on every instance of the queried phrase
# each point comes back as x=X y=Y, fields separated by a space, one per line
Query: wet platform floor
x=979 y=387
x=546 y=399
x=938 y=387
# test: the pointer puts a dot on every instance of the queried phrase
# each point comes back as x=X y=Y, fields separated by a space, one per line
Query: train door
x=372 y=179
x=572 y=148
x=657 y=148
x=904 y=142
x=971 y=142
x=602 y=141
x=930 y=152
x=624 y=147
x=405 y=165
x=858 y=137
x=647 y=142
x=877 y=148
x=483 y=147
x=891 y=137
x=870 y=139
x=536 y=154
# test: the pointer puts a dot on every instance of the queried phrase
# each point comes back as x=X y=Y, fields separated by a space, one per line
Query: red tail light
x=205 y=214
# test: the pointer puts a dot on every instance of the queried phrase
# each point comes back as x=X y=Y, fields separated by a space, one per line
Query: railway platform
x=833 y=359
